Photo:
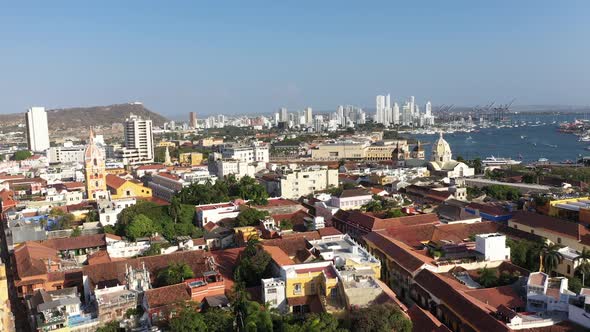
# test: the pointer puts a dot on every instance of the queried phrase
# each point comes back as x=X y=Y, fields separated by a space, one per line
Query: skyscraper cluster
x=410 y=114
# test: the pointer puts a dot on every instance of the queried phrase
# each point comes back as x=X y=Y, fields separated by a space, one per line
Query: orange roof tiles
x=114 y=181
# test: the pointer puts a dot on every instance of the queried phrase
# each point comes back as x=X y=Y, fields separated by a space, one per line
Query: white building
x=492 y=246
x=139 y=141
x=273 y=293
x=545 y=294
x=67 y=154
x=256 y=151
x=294 y=182
x=215 y=212
x=442 y=162
x=37 y=130
x=351 y=199
x=108 y=209
x=308 y=116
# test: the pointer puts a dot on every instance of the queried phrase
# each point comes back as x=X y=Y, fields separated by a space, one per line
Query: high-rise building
x=406 y=114
x=380 y=109
x=412 y=103
x=395 y=112
x=138 y=136
x=308 y=116
x=37 y=131
x=94 y=170
x=428 y=109
x=284 y=114
x=193 y=120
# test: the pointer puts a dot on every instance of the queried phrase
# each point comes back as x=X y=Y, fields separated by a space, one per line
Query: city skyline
x=187 y=57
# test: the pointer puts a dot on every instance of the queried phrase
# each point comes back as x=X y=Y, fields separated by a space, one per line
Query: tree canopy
x=188 y=320
x=380 y=317
x=250 y=217
x=174 y=274
x=224 y=190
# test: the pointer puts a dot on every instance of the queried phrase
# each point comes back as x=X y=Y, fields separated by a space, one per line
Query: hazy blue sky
x=251 y=56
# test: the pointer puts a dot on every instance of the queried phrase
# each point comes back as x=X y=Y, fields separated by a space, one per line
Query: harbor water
x=535 y=137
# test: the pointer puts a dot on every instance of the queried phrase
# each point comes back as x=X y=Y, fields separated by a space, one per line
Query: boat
x=522 y=137
x=493 y=161
x=584 y=139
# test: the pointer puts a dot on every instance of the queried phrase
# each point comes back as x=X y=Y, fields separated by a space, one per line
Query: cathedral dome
x=92 y=151
x=441 y=151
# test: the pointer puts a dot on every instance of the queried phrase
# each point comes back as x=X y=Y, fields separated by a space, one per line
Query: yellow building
x=94 y=169
x=210 y=141
x=190 y=158
x=243 y=234
x=166 y=144
x=121 y=188
x=6 y=318
x=309 y=279
x=116 y=171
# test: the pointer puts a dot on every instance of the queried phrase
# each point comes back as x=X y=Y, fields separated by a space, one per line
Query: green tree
x=175 y=273
x=394 y=213
x=250 y=217
x=487 y=277
x=112 y=326
x=550 y=257
x=373 y=206
x=140 y=226
x=91 y=216
x=254 y=264
x=286 y=224
x=175 y=208
x=153 y=250
x=188 y=320
x=575 y=285
x=218 y=320
x=22 y=155
x=584 y=264
x=380 y=317
x=76 y=232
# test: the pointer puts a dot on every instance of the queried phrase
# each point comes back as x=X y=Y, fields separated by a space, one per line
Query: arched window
x=95 y=162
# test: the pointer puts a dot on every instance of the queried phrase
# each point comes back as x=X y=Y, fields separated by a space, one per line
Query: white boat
x=493 y=161
x=584 y=139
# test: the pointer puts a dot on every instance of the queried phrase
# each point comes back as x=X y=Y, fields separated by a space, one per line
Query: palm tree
x=539 y=172
x=550 y=257
x=175 y=208
x=584 y=267
x=487 y=277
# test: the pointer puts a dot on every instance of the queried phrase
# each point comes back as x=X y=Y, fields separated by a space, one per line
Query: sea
x=537 y=138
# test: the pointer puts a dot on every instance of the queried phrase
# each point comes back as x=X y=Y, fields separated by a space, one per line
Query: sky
x=215 y=57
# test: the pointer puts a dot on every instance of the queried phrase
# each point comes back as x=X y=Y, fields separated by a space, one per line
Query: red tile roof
x=79 y=242
x=167 y=295
x=169 y=176
x=114 y=181
x=424 y=321
x=467 y=309
x=399 y=252
x=369 y=223
x=497 y=296
x=551 y=224
x=329 y=231
x=30 y=259
x=278 y=255
x=291 y=244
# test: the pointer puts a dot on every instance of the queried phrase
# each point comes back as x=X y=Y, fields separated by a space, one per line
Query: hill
x=96 y=116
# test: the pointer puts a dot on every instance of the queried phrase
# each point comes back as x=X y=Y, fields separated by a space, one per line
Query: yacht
x=493 y=161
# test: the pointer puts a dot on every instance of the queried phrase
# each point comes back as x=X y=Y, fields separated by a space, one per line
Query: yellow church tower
x=94 y=168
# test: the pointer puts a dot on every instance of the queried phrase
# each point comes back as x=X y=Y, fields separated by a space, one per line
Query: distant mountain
x=76 y=117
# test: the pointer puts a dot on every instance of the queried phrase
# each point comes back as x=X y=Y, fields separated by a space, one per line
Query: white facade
x=298 y=182
x=492 y=246
x=273 y=293
x=37 y=129
x=216 y=212
x=124 y=249
x=350 y=203
x=108 y=210
x=69 y=154
x=255 y=152
x=139 y=137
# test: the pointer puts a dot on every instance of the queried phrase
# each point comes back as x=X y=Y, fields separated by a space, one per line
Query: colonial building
x=442 y=163
x=94 y=169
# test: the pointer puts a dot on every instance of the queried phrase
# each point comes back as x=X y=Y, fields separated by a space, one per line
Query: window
x=296 y=288
x=569 y=269
x=559 y=241
x=312 y=287
x=271 y=291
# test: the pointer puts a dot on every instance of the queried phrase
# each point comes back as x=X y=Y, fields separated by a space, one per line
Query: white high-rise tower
x=138 y=136
x=428 y=109
x=395 y=114
x=37 y=130
x=308 y=116
x=380 y=109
